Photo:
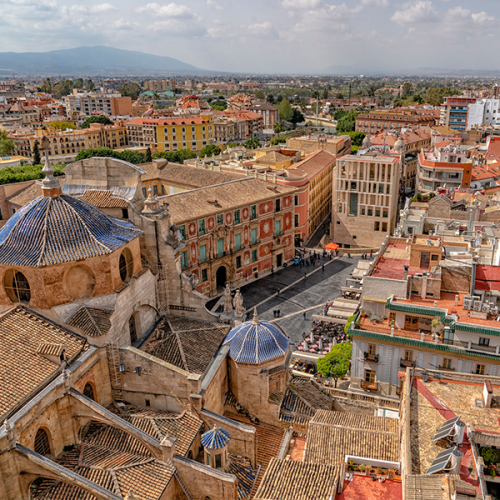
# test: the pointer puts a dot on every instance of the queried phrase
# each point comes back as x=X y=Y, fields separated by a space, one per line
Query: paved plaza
x=297 y=295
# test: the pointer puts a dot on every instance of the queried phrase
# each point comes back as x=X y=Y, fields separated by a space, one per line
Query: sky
x=268 y=36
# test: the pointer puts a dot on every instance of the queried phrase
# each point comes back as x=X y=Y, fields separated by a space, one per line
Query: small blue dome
x=256 y=341
x=215 y=439
x=52 y=230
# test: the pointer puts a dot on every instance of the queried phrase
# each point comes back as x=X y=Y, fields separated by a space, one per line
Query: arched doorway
x=221 y=277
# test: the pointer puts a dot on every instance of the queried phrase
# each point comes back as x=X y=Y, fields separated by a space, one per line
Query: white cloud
x=375 y=3
x=482 y=17
x=169 y=10
x=300 y=4
x=103 y=7
x=262 y=30
x=211 y=4
x=419 y=11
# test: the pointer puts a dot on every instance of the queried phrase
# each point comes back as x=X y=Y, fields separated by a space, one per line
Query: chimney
x=168 y=447
x=459 y=432
x=457 y=298
x=405 y=275
x=487 y=393
x=423 y=292
x=160 y=163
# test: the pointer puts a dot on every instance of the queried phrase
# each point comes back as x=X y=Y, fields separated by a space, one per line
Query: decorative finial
x=255 y=320
x=151 y=203
x=50 y=184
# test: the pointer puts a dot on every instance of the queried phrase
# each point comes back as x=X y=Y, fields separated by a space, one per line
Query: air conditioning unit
x=467 y=303
x=486 y=307
x=477 y=305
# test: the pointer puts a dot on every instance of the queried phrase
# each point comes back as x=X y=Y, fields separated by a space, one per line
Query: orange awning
x=332 y=246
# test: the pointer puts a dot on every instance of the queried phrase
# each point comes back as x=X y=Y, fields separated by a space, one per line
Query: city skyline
x=266 y=37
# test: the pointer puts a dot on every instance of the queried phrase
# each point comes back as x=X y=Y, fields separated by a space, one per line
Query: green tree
x=270 y=98
x=357 y=138
x=219 y=104
x=130 y=90
x=176 y=156
x=340 y=95
x=36 y=154
x=297 y=117
x=231 y=145
x=149 y=157
x=63 y=88
x=89 y=153
x=407 y=88
x=61 y=125
x=286 y=111
x=347 y=123
x=47 y=86
x=78 y=83
x=337 y=362
x=252 y=143
x=210 y=150
x=339 y=114
x=315 y=95
x=96 y=119
x=89 y=85
x=6 y=144
x=324 y=94
x=259 y=94
x=278 y=128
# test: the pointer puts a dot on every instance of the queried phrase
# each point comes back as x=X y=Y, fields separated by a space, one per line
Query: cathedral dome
x=215 y=439
x=58 y=229
x=256 y=342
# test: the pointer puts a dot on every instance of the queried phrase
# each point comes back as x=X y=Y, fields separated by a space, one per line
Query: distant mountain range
x=359 y=70
x=97 y=60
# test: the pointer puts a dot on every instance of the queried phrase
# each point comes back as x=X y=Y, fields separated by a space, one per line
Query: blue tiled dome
x=256 y=341
x=215 y=439
x=53 y=230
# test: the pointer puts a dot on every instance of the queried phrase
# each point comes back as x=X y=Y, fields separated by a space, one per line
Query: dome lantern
x=215 y=442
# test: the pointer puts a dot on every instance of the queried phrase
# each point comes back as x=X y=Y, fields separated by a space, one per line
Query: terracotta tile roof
x=167 y=121
x=201 y=202
x=354 y=421
x=243 y=470
x=93 y=321
x=331 y=442
x=302 y=399
x=29 y=193
x=290 y=480
x=314 y=163
x=23 y=369
x=485 y=172
x=185 y=175
x=103 y=199
x=188 y=344
x=273 y=157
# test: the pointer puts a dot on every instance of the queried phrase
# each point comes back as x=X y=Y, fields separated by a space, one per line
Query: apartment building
x=172 y=134
x=379 y=120
x=233 y=125
x=483 y=112
x=422 y=309
x=159 y=85
x=88 y=103
x=454 y=112
x=269 y=113
x=444 y=165
x=365 y=199
x=73 y=141
x=336 y=145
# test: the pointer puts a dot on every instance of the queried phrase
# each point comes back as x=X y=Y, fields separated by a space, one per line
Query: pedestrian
x=274 y=313
x=348 y=255
x=279 y=313
x=247 y=276
x=371 y=254
x=323 y=267
x=307 y=262
x=304 y=314
x=278 y=292
x=305 y=275
x=272 y=269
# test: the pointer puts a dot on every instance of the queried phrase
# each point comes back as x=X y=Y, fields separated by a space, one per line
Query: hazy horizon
x=274 y=36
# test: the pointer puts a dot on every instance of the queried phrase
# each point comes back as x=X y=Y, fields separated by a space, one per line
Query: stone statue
x=239 y=310
x=228 y=306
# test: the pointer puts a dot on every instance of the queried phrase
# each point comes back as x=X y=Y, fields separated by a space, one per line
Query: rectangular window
x=388 y=190
x=220 y=246
x=447 y=363
x=480 y=369
x=296 y=199
x=384 y=227
x=370 y=376
x=203 y=253
x=385 y=214
x=182 y=230
x=278 y=205
x=254 y=255
x=253 y=211
x=238 y=262
x=339 y=209
x=155 y=189
x=363 y=211
x=376 y=226
x=411 y=322
x=370 y=212
x=144 y=192
x=254 y=236
x=220 y=219
x=484 y=341
x=237 y=241
x=184 y=260
x=435 y=257
x=377 y=213
x=353 y=204
x=381 y=189
x=296 y=220
x=408 y=355
x=236 y=216
x=372 y=349
x=201 y=227
x=353 y=186
x=204 y=275
x=277 y=230
x=162 y=189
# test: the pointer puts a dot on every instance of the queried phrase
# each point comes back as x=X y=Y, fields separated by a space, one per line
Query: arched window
x=42 y=444
x=16 y=286
x=126 y=265
x=88 y=391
